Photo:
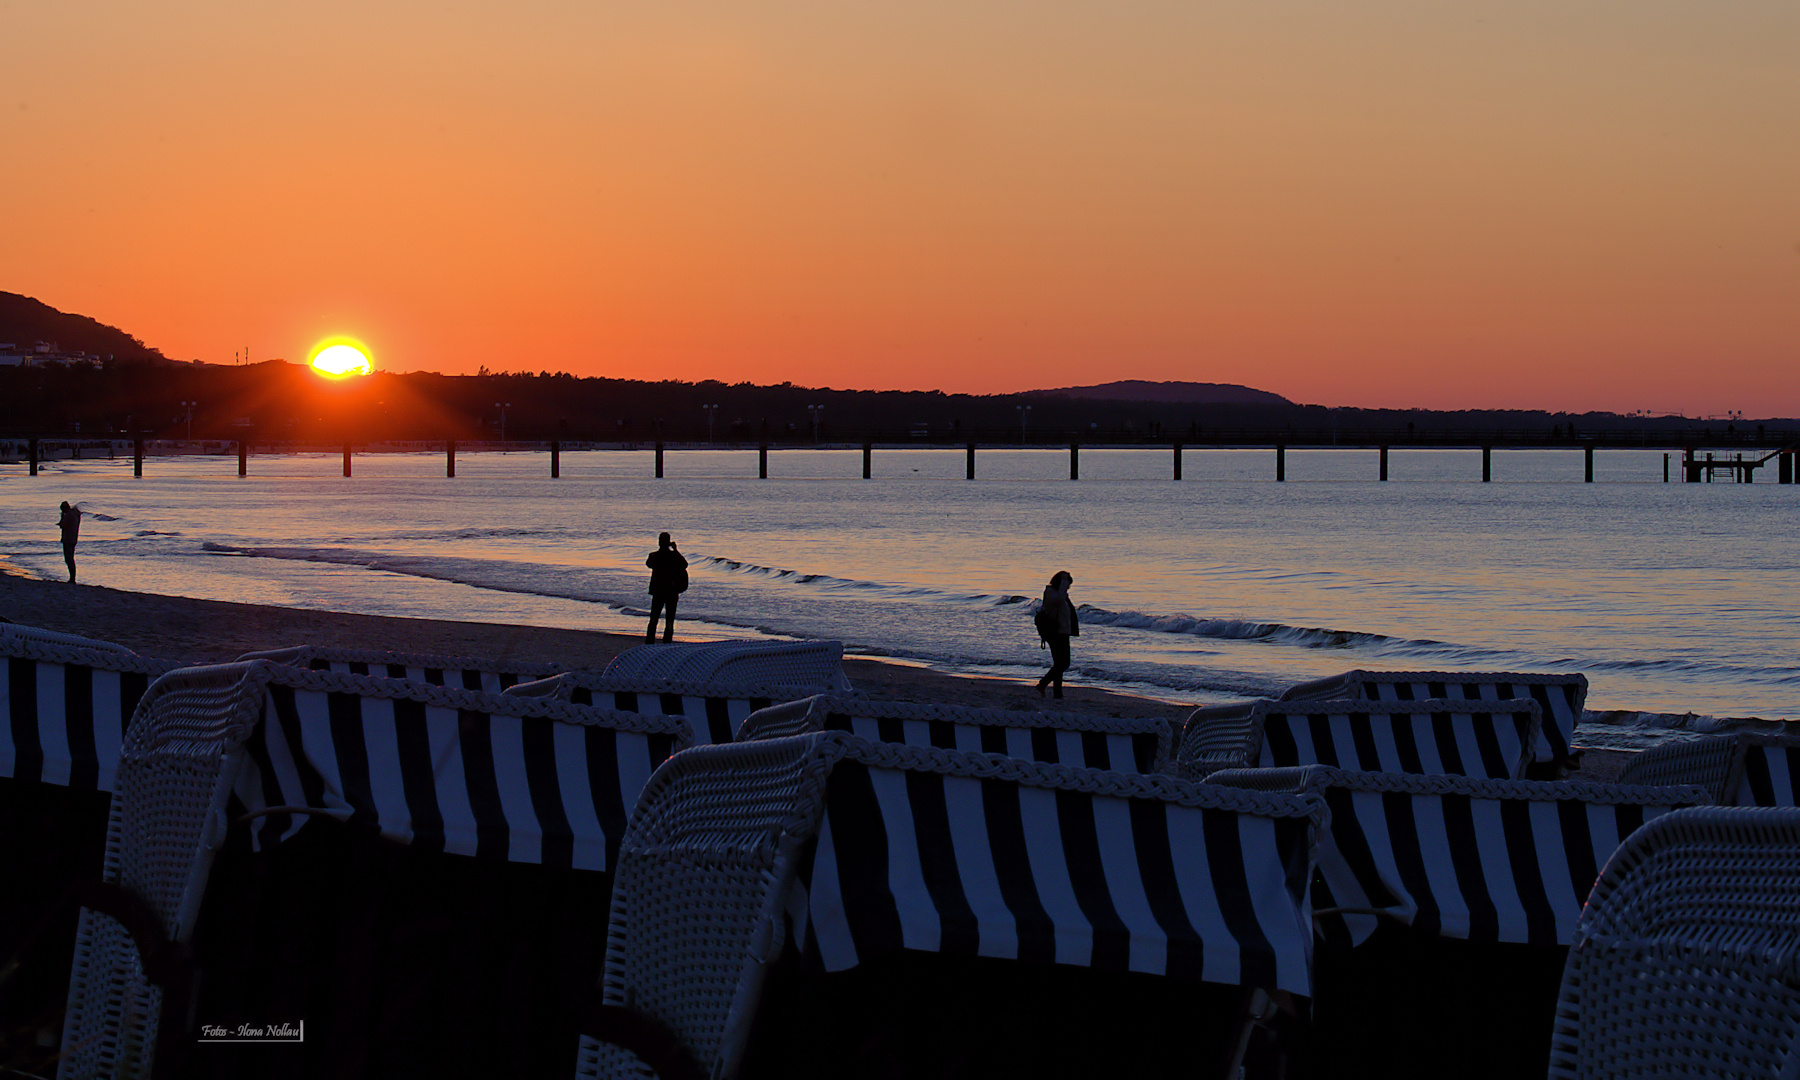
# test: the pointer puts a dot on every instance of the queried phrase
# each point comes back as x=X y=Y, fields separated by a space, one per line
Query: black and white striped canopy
x=1440 y=737
x=67 y=710
x=457 y=672
x=980 y=855
x=1561 y=696
x=520 y=779
x=1482 y=860
x=1770 y=773
x=715 y=711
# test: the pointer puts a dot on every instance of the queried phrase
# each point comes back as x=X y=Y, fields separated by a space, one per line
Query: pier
x=1705 y=456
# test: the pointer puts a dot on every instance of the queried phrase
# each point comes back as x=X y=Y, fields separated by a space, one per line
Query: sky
x=1385 y=203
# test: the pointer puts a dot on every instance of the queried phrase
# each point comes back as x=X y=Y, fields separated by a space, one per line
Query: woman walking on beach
x=70 y=522
x=668 y=580
x=1056 y=624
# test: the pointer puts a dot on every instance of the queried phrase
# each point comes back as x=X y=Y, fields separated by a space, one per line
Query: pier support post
x=1281 y=463
x=1784 y=467
x=969 y=472
x=346 y=459
x=1384 y=464
x=137 y=456
x=659 y=475
x=31 y=455
x=450 y=458
x=555 y=458
x=244 y=457
x=1487 y=464
x=1588 y=453
x=1177 y=461
x=1074 y=460
x=868 y=457
x=1690 y=469
x=1666 y=469
x=762 y=462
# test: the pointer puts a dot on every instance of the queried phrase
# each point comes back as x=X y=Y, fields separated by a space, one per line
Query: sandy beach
x=209 y=631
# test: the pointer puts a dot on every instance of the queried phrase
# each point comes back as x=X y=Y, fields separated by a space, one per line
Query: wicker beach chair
x=1092 y=742
x=1458 y=897
x=1562 y=697
x=64 y=709
x=831 y=852
x=273 y=747
x=715 y=710
x=1492 y=740
x=1741 y=769
x=463 y=672
x=1685 y=960
x=818 y=664
x=11 y=631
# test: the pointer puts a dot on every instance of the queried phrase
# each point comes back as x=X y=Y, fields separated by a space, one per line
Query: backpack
x=1045 y=621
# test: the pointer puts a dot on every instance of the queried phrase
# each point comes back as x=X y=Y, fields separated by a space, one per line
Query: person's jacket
x=1056 y=601
x=668 y=572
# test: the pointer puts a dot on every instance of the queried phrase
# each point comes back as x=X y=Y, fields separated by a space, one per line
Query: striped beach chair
x=819 y=664
x=1445 y=907
x=227 y=759
x=461 y=672
x=1562 y=697
x=1092 y=742
x=1740 y=769
x=834 y=854
x=1684 y=961
x=1438 y=737
x=716 y=711
x=65 y=704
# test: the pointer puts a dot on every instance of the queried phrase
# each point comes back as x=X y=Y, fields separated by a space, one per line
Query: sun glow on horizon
x=341 y=358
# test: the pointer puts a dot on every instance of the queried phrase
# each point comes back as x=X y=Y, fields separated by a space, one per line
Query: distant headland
x=64 y=374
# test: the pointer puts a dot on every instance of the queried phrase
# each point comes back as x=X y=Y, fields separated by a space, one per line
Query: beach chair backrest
x=818 y=664
x=454 y=771
x=1436 y=737
x=1740 y=769
x=848 y=849
x=715 y=711
x=1477 y=860
x=1685 y=959
x=1120 y=744
x=12 y=632
x=1561 y=696
x=457 y=672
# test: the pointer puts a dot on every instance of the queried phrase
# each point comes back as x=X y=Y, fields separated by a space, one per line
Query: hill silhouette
x=1168 y=393
x=24 y=321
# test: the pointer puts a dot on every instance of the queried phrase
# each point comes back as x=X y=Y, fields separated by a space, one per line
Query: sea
x=1678 y=601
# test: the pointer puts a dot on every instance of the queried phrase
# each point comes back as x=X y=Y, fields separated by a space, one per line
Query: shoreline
x=216 y=631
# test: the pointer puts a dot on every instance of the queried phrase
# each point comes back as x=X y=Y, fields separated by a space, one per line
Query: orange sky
x=1482 y=204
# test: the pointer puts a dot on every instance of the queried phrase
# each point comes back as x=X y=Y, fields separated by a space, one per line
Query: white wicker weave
x=461 y=672
x=1709 y=761
x=970 y=725
x=1687 y=959
x=818 y=664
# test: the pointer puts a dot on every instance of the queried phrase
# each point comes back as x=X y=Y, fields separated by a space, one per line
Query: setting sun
x=340 y=359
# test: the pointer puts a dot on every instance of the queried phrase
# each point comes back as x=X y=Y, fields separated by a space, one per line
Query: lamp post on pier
x=503 y=406
x=1024 y=412
x=817 y=412
x=712 y=411
x=190 y=406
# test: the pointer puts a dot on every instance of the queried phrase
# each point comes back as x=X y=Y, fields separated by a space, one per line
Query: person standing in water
x=71 y=531
x=1056 y=624
x=668 y=580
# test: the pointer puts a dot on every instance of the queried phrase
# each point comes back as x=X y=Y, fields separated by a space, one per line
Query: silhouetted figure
x=71 y=530
x=1056 y=624
x=668 y=580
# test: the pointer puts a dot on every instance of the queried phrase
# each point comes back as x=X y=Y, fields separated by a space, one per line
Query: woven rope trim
x=1316 y=778
x=633 y=684
x=56 y=652
x=840 y=745
x=1366 y=707
x=857 y=706
x=1518 y=678
x=304 y=654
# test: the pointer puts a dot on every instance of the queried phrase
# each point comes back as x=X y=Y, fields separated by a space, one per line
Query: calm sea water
x=1677 y=600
